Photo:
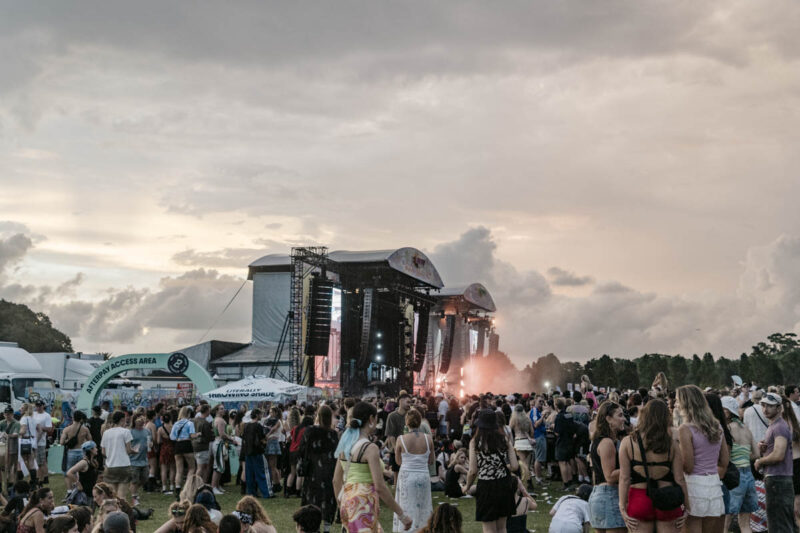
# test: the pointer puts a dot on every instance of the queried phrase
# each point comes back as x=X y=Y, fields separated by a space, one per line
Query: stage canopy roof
x=475 y=295
x=407 y=261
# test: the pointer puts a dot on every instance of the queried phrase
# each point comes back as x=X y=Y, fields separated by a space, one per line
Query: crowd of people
x=637 y=460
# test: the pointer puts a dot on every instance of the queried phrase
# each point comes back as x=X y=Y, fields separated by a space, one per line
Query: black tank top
x=597 y=465
x=88 y=479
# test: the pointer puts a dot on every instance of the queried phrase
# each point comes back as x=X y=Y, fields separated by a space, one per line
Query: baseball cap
x=39 y=402
x=730 y=403
x=88 y=445
x=8 y=409
x=771 y=398
x=117 y=522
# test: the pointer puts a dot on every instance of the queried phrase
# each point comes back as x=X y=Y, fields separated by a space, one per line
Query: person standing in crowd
x=743 y=500
x=395 y=426
x=44 y=427
x=10 y=429
x=705 y=458
x=652 y=443
x=358 y=478
x=116 y=446
x=182 y=433
x=201 y=444
x=453 y=417
x=27 y=442
x=141 y=444
x=792 y=393
x=444 y=406
x=317 y=455
x=538 y=416
x=777 y=465
x=413 y=452
x=253 y=446
x=489 y=452
x=95 y=424
x=221 y=440
x=794 y=427
x=604 y=501
x=565 y=431
x=152 y=452
x=166 y=454
x=274 y=433
x=522 y=430
x=73 y=437
x=754 y=418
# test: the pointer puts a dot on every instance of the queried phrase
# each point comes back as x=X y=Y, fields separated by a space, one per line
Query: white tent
x=255 y=389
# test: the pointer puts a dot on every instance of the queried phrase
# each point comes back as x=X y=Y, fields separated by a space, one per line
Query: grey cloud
x=559 y=276
x=228 y=257
x=12 y=249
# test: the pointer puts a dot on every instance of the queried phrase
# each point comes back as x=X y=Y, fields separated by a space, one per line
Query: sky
x=622 y=176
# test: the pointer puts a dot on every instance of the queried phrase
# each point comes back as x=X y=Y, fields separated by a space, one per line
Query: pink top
x=706 y=454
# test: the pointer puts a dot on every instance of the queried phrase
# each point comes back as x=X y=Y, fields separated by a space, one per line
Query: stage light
x=379 y=346
x=546 y=384
x=379 y=334
x=379 y=357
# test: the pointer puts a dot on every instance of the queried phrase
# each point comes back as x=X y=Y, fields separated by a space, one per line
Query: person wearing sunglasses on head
x=177 y=512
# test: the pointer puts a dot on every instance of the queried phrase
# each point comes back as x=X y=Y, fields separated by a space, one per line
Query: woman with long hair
x=651 y=443
x=259 y=519
x=743 y=499
x=445 y=519
x=166 y=453
x=235 y=419
x=455 y=480
x=317 y=454
x=489 y=452
x=274 y=427
x=32 y=518
x=197 y=517
x=522 y=429
x=604 y=501
x=358 y=478
x=182 y=433
x=414 y=453
x=27 y=441
x=705 y=459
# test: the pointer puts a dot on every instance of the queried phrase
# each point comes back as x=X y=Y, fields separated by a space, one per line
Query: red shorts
x=640 y=507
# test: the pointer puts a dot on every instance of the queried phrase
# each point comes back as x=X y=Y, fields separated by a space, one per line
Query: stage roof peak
x=475 y=294
x=409 y=261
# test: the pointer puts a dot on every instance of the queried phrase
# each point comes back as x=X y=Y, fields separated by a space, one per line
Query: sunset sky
x=622 y=176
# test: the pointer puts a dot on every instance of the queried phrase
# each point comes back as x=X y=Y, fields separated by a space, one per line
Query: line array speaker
x=447 y=350
x=422 y=338
x=319 y=317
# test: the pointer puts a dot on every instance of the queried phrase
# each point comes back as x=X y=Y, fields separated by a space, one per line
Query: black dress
x=318 y=446
x=494 y=496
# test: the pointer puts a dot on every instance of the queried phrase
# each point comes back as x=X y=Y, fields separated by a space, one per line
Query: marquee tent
x=256 y=389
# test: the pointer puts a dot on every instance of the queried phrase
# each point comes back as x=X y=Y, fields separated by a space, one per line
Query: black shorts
x=564 y=451
x=796 y=476
x=183 y=446
x=393 y=462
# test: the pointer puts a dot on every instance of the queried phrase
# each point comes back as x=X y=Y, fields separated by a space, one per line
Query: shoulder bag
x=663 y=498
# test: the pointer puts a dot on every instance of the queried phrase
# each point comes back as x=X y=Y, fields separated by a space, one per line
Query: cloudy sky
x=623 y=176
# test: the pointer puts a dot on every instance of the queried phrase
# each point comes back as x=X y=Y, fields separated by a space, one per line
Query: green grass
x=280 y=510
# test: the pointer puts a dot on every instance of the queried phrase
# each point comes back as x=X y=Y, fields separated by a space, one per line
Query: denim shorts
x=273 y=447
x=604 y=508
x=743 y=497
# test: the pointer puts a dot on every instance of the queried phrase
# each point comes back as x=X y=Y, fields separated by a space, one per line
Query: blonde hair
x=185 y=412
x=191 y=487
x=455 y=455
x=251 y=506
x=695 y=410
x=523 y=423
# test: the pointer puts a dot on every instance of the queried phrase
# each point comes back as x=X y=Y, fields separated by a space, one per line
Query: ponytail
x=36 y=499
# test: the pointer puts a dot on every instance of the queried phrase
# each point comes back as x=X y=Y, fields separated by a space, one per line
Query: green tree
x=627 y=374
x=708 y=371
x=695 y=370
x=678 y=371
x=31 y=331
x=571 y=372
x=725 y=369
x=602 y=372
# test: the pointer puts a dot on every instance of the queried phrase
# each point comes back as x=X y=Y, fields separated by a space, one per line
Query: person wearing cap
x=117 y=522
x=743 y=499
x=776 y=463
x=83 y=474
x=754 y=418
x=9 y=435
x=44 y=427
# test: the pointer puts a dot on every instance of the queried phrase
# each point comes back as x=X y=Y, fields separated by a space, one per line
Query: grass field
x=280 y=509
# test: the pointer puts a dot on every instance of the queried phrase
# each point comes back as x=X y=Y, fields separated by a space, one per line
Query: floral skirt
x=361 y=508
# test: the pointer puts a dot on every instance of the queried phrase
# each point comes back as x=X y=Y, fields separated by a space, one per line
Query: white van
x=21 y=377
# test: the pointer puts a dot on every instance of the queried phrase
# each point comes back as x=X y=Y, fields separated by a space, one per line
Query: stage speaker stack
x=447 y=350
x=494 y=343
x=422 y=338
x=319 y=317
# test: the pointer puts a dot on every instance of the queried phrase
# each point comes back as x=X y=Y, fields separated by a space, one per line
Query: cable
x=223 y=312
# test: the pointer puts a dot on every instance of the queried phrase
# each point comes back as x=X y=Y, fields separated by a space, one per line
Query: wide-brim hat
x=487 y=419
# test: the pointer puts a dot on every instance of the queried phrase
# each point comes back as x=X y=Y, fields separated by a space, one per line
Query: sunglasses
x=178 y=511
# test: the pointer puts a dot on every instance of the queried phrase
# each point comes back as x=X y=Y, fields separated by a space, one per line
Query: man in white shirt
x=754 y=418
x=44 y=427
x=116 y=444
x=443 y=407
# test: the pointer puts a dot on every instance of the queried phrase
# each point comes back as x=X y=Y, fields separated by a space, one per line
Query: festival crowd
x=640 y=460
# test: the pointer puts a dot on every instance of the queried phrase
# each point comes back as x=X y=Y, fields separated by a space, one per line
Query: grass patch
x=280 y=510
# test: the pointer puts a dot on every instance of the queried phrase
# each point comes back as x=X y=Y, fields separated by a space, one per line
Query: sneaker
x=166 y=492
x=217 y=491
